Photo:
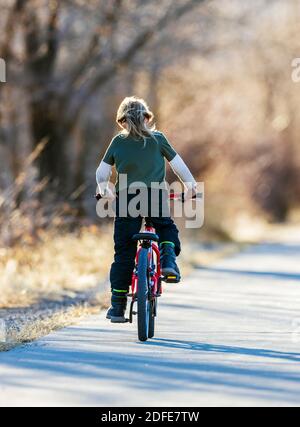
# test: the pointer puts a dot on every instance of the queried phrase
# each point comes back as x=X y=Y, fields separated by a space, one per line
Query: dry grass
x=59 y=264
x=31 y=330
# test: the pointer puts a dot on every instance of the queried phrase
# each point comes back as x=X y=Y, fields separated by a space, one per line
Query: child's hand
x=191 y=193
x=108 y=194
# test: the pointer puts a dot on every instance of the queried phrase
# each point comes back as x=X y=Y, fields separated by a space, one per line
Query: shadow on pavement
x=256 y=352
x=146 y=370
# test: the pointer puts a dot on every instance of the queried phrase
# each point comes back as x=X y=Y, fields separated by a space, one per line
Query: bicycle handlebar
x=181 y=197
x=172 y=196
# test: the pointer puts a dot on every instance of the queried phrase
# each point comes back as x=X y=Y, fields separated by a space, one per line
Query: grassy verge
x=33 y=322
x=47 y=285
x=57 y=266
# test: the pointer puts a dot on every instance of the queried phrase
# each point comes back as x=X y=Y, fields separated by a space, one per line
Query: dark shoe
x=116 y=313
x=170 y=270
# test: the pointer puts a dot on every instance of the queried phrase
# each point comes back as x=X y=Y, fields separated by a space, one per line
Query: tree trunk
x=47 y=125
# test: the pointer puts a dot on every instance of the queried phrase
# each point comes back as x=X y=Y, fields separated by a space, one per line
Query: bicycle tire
x=143 y=303
x=151 y=330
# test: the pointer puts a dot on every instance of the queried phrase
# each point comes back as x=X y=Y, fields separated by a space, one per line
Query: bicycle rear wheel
x=143 y=303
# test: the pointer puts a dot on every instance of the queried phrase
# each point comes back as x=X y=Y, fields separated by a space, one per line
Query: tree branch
x=92 y=54
x=5 y=48
x=107 y=73
x=41 y=45
x=52 y=37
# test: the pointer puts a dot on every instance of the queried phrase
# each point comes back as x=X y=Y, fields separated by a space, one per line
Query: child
x=139 y=152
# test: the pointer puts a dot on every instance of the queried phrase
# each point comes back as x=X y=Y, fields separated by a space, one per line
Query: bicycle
x=146 y=285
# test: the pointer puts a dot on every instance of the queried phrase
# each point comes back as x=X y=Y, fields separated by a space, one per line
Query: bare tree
x=59 y=94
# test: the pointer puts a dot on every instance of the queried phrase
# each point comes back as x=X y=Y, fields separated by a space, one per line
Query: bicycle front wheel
x=152 y=312
x=143 y=302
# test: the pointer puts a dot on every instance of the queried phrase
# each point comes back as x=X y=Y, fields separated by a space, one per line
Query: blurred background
x=216 y=73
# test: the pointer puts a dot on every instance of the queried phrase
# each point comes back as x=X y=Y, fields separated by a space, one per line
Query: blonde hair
x=133 y=111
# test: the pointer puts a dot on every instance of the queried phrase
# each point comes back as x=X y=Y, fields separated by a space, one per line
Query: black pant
x=125 y=248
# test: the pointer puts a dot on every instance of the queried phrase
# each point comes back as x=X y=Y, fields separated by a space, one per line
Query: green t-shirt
x=140 y=161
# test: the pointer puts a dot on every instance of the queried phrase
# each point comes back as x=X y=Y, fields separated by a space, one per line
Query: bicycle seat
x=146 y=236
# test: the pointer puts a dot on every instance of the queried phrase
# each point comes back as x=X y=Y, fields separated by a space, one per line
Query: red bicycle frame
x=154 y=263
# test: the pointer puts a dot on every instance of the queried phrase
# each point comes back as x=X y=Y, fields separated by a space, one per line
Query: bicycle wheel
x=152 y=319
x=143 y=302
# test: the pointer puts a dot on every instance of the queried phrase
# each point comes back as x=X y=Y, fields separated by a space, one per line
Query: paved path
x=229 y=335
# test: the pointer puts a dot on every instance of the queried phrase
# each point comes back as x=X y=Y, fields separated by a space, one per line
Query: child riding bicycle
x=139 y=152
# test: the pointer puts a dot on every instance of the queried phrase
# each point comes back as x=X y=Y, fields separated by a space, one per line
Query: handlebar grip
x=197 y=196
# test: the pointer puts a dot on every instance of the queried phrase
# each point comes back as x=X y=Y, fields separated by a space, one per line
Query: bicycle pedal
x=172 y=279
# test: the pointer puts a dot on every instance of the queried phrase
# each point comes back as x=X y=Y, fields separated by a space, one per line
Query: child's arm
x=179 y=167
x=103 y=174
x=184 y=174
